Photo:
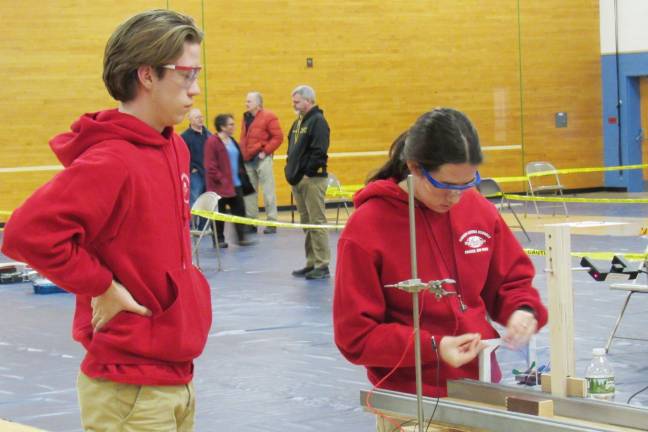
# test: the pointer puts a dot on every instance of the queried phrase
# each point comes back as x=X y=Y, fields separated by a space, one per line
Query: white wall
x=632 y=26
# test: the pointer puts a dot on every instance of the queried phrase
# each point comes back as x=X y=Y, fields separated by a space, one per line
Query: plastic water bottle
x=600 y=376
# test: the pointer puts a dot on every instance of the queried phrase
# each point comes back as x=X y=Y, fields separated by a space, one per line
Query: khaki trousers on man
x=260 y=173
x=309 y=196
x=108 y=406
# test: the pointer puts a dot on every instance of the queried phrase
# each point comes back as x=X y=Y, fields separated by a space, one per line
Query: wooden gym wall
x=509 y=64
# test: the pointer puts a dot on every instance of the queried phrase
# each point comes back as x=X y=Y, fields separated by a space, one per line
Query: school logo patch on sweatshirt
x=184 y=178
x=475 y=241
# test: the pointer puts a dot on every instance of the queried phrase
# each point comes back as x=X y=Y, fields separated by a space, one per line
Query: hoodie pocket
x=180 y=332
x=177 y=334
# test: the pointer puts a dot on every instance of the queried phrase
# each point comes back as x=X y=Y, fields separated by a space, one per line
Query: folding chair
x=632 y=288
x=542 y=179
x=207 y=201
x=334 y=184
x=489 y=188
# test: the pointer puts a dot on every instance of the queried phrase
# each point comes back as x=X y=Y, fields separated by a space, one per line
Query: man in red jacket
x=261 y=136
x=112 y=228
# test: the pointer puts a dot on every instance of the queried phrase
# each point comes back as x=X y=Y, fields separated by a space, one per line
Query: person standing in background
x=195 y=137
x=261 y=136
x=305 y=170
x=225 y=175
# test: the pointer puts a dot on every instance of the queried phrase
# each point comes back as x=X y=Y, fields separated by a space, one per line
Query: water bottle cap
x=598 y=351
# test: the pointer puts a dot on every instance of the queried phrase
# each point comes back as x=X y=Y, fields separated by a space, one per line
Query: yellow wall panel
x=561 y=72
x=50 y=68
x=377 y=66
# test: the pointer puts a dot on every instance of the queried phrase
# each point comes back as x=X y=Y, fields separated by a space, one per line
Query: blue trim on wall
x=631 y=67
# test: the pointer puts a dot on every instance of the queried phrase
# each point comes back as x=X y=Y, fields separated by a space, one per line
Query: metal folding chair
x=207 y=201
x=632 y=288
x=491 y=190
x=334 y=184
x=542 y=179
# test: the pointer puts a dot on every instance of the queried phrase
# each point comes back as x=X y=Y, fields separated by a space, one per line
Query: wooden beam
x=561 y=307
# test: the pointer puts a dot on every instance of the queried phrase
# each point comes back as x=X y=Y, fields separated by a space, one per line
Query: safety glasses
x=454 y=187
x=190 y=73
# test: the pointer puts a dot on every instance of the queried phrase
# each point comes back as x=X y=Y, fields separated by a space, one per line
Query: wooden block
x=529 y=405
x=545 y=382
x=576 y=387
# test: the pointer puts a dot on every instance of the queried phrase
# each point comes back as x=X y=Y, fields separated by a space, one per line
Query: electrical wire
x=640 y=391
x=436 y=404
x=390 y=373
x=399 y=427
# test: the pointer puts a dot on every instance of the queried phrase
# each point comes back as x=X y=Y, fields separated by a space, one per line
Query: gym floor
x=270 y=363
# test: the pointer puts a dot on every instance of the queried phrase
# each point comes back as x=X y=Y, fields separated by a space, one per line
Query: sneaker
x=222 y=244
x=318 y=273
x=302 y=272
x=270 y=230
x=250 y=229
x=246 y=242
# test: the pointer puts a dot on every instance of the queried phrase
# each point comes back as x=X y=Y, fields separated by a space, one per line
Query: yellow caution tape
x=336 y=193
x=570 y=171
x=590 y=169
x=510 y=179
x=603 y=256
x=258 y=222
x=577 y=200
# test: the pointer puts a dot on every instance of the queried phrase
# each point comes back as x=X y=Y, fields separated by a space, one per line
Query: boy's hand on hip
x=114 y=300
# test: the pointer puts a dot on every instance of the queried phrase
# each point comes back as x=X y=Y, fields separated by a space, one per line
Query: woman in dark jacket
x=225 y=175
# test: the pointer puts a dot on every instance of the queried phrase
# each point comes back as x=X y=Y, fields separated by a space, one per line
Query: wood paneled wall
x=377 y=66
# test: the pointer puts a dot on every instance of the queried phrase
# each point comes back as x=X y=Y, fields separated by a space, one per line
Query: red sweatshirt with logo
x=470 y=244
x=120 y=210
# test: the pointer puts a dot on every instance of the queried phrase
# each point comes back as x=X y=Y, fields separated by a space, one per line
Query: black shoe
x=250 y=229
x=222 y=244
x=302 y=272
x=246 y=242
x=318 y=273
x=270 y=230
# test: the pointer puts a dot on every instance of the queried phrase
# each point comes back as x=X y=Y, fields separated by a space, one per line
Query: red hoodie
x=470 y=244
x=120 y=210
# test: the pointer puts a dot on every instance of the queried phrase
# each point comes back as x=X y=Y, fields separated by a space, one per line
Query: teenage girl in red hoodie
x=460 y=236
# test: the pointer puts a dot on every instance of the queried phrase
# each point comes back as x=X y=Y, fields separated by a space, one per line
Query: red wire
x=391 y=372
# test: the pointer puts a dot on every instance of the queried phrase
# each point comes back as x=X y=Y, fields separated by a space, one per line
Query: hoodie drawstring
x=175 y=191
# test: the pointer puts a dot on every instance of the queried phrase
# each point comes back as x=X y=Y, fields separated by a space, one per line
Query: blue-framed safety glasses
x=454 y=187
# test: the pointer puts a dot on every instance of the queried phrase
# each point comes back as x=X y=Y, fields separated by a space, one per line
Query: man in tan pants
x=305 y=170
x=261 y=136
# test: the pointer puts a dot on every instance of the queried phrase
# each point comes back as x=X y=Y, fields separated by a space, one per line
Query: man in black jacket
x=308 y=142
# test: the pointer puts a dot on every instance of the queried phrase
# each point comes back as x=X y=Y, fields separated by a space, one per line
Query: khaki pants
x=260 y=172
x=309 y=197
x=108 y=406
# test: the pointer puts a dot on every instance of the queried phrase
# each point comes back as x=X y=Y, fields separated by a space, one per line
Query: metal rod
x=568 y=408
x=457 y=413
x=415 y=305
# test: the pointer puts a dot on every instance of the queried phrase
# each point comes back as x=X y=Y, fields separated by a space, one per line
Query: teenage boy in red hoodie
x=112 y=228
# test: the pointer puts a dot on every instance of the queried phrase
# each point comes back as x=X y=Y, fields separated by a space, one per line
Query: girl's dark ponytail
x=396 y=167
